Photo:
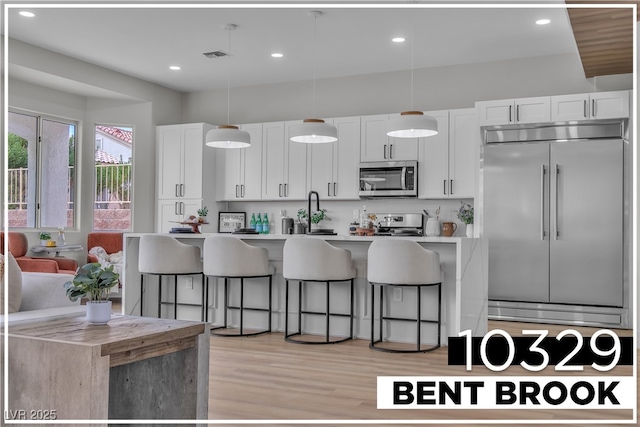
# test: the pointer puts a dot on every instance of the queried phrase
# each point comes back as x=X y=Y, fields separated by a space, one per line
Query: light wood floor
x=265 y=378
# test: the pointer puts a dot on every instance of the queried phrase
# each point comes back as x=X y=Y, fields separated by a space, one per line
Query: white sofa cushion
x=14 y=279
x=45 y=290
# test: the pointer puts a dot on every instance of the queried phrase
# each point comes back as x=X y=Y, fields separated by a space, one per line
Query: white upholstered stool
x=310 y=259
x=228 y=257
x=399 y=262
x=163 y=255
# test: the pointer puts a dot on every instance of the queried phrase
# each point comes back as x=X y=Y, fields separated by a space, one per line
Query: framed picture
x=228 y=222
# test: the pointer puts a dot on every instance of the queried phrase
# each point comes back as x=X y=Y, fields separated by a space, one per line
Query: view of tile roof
x=103 y=157
x=125 y=136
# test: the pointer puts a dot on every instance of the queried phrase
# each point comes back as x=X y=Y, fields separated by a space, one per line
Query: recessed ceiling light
x=543 y=21
x=277 y=55
x=174 y=68
x=27 y=14
x=398 y=39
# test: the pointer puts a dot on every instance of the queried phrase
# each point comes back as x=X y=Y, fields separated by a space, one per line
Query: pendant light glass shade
x=313 y=131
x=412 y=124
x=227 y=136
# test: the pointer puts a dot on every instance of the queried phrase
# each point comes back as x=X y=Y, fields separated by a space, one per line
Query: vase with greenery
x=45 y=236
x=94 y=282
x=316 y=217
x=202 y=214
x=465 y=214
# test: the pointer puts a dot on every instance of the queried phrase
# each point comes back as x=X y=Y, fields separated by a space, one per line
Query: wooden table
x=132 y=368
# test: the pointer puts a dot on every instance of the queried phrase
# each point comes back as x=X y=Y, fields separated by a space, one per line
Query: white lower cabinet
x=448 y=163
x=333 y=167
x=284 y=163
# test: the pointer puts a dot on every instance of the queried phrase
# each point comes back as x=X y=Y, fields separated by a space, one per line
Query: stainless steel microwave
x=388 y=179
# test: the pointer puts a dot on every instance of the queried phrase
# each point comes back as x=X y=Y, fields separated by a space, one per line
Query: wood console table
x=132 y=368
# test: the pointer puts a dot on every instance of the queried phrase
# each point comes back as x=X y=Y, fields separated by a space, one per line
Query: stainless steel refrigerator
x=553 y=214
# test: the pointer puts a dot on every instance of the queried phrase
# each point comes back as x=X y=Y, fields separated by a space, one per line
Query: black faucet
x=309 y=209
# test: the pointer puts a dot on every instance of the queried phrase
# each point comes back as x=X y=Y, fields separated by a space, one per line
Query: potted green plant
x=202 y=214
x=465 y=214
x=45 y=236
x=94 y=282
x=316 y=217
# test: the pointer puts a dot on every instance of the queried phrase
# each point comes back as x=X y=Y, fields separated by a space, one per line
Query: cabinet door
x=295 y=163
x=251 y=164
x=232 y=170
x=321 y=167
x=171 y=212
x=346 y=159
x=169 y=148
x=192 y=146
x=273 y=161
x=609 y=105
x=464 y=145
x=433 y=169
x=492 y=113
x=374 y=145
x=533 y=110
x=569 y=107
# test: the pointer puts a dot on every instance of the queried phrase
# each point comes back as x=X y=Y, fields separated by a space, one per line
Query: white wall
x=435 y=89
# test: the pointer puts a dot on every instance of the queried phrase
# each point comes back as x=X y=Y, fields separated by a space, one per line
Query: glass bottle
x=259 y=224
x=252 y=223
x=265 y=224
x=61 y=238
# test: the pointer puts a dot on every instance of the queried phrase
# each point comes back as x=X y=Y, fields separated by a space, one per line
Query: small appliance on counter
x=287 y=225
x=402 y=224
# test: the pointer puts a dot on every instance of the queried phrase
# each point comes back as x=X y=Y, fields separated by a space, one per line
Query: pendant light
x=412 y=124
x=228 y=136
x=314 y=131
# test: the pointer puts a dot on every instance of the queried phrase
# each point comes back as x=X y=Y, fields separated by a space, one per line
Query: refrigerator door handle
x=556 y=233
x=542 y=172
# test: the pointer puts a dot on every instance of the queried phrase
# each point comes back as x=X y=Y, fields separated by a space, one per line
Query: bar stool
x=404 y=263
x=309 y=259
x=163 y=255
x=228 y=257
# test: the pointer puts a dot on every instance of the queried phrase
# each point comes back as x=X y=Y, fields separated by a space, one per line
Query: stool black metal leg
x=439 y=310
x=226 y=300
x=205 y=286
x=300 y=306
x=175 y=296
x=327 y=318
x=351 y=311
x=160 y=296
x=241 y=305
x=373 y=300
x=141 y=293
x=286 y=307
x=381 y=311
x=202 y=316
x=270 y=303
x=418 y=318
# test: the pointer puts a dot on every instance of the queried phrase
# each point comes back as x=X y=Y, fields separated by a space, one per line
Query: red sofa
x=18 y=245
x=110 y=241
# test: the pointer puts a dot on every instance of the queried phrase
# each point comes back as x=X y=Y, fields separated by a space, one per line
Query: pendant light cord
x=413 y=42
x=229 y=28
x=315 y=47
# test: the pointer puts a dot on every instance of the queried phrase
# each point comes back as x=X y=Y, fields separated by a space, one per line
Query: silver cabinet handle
x=177 y=190
x=444 y=186
x=279 y=190
x=542 y=172
x=181 y=190
x=242 y=190
x=384 y=149
x=286 y=190
x=328 y=189
x=451 y=187
x=391 y=151
x=585 y=108
x=593 y=108
x=555 y=225
x=237 y=191
x=335 y=192
x=510 y=107
x=517 y=113
x=175 y=208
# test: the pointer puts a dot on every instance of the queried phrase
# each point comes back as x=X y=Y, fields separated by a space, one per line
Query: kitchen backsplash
x=342 y=213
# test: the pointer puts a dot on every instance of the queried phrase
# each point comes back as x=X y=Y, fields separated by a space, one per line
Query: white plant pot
x=43 y=242
x=98 y=312
x=469 y=230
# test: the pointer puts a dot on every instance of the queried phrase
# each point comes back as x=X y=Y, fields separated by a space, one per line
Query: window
x=41 y=157
x=113 y=172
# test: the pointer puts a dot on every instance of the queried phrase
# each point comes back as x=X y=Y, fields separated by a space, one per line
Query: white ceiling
x=144 y=41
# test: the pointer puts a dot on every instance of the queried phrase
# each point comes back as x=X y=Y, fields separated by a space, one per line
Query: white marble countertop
x=339 y=237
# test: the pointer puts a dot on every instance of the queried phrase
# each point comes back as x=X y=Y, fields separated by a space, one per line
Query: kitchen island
x=464 y=290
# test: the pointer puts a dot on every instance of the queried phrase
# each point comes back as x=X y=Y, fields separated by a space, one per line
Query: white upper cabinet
x=284 y=163
x=376 y=146
x=333 y=167
x=242 y=168
x=599 y=105
x=514 y=111
x=449 y=160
